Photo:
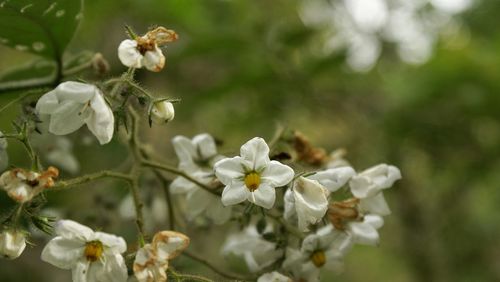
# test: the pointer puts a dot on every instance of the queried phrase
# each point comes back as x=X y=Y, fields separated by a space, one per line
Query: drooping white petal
x=129 y=55
x=375 y=205
x=101 y=121
x=75 y=91
x=277 y=174
x=366 y=232
x=63 y=253
x=48 y=103
x=264 y=196
x=205 y=144
x=114 y=270
x=333 y=178
x=256 y=152
x=80 y=271
x=66 y=118
x=154 y=60
x=229 y=169
x=371 y=181
x=234 y=194
x=114 y=244
x=311 y=202
x=73 y=230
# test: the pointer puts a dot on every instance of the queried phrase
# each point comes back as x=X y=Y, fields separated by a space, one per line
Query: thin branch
x=65 y=184
x=188 y=277
x=215 y=269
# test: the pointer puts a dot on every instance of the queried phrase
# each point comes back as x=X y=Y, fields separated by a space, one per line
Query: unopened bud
x=162 y=112
x=100 y=64
x=12 y=244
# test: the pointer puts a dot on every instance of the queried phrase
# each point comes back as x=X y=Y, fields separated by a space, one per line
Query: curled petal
x=154 y=60
x=129 y=55
x=101 y=121
x=169 y=244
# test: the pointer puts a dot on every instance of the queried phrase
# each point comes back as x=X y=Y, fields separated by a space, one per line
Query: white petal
x=234 y=194
x=277 y=174
x=289 y=201
x=371 y=181
x=206 y=145
x=364 y=233
x=197 y=202
x=63 y=253
x=229 y=169
x=12 y=244
x=101 y=121
x=311 y=202
x=73 y=230
x=129 y=55
x=154 y=60
x=374 y=220
x=273 y=277
x=66 y=118
x=169 y=244
x=375 y=205
x=114 y=269
x=333 y=178
x=185 y=151
x=310 y=243
x=217 y=212
x=75 y=91
x=256 y=152
x=48 y=103
x=80 y=271
x=181 y=185
x=114 y=244
x=264 y=196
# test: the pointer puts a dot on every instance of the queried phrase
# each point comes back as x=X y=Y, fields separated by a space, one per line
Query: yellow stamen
x=318 y=258
x=252 y=181
x=93 y=250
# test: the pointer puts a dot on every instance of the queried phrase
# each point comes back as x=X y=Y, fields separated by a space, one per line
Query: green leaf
x=36 y=73
x=42 y=27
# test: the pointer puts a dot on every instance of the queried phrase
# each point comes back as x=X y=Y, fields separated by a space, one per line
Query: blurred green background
x=241 y=66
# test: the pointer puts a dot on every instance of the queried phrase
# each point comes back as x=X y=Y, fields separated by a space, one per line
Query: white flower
x=4 y=157
x=12 y=244
x=249 y=244
x=371 y=181
x=91 y=256
x=199 y=201
x=273 y=277
x=60 y=153
x=196 y=154
x=252 y=176
x=307 y=200
x=334 y=178
x=162 y=112
x=144 y=51
x=151 y=261
x=365 y=232
x=73 y=104
x=323 y=249
x=22 y=185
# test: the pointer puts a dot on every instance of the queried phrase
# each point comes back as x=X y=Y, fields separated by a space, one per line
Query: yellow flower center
x=318 y=258
x=252 y=181
x=93 y=250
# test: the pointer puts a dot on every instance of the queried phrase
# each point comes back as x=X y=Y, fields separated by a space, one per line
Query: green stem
x=179 y=173
x=215 y=269
x=65 y=184
x=188 y=277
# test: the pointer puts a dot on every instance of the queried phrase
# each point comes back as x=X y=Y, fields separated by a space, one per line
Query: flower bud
x=162 y=112
x=12 y=244
x=100 y=64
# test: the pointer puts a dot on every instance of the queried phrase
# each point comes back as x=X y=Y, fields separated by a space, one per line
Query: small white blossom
x=324 y=249
x=151 y=261
x=22 y=185
x=249 y=244
x=371 y=181
x=12 y=243
x=162 y=112
x=4 y=157
x=334 y=178
x=91 y=256
x=307 y=201
x=365 y=232
x=144 y=51
x=252 y=176
x=199 y=153
x=73 y=104
x=273 y=277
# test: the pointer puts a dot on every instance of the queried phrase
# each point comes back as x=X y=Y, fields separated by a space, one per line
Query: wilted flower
x=12 y=243
x=307 y=200
x=162 y=112
x=252 y=176
x=144 y=50
x=22 y=185
x=91 y=256
x=151 y=261
x=323 y=249
x=273 y=277
x=249 y=244
x=4 y=157
x=73 y=104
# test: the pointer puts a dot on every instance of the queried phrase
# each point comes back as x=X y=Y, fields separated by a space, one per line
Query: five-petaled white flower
x=72 y=104
x=91 y=256
x=162 y=112
x=323 y=249
x=12 y=243
x=151 y=261
x=196 y=158
x=273 y=277
x=22 y=185
x=144 y=51
x=257 y=252
x=252 y=176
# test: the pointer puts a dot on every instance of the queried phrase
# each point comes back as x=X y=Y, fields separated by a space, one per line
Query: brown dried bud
x=306 y=152
x=100 y=64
